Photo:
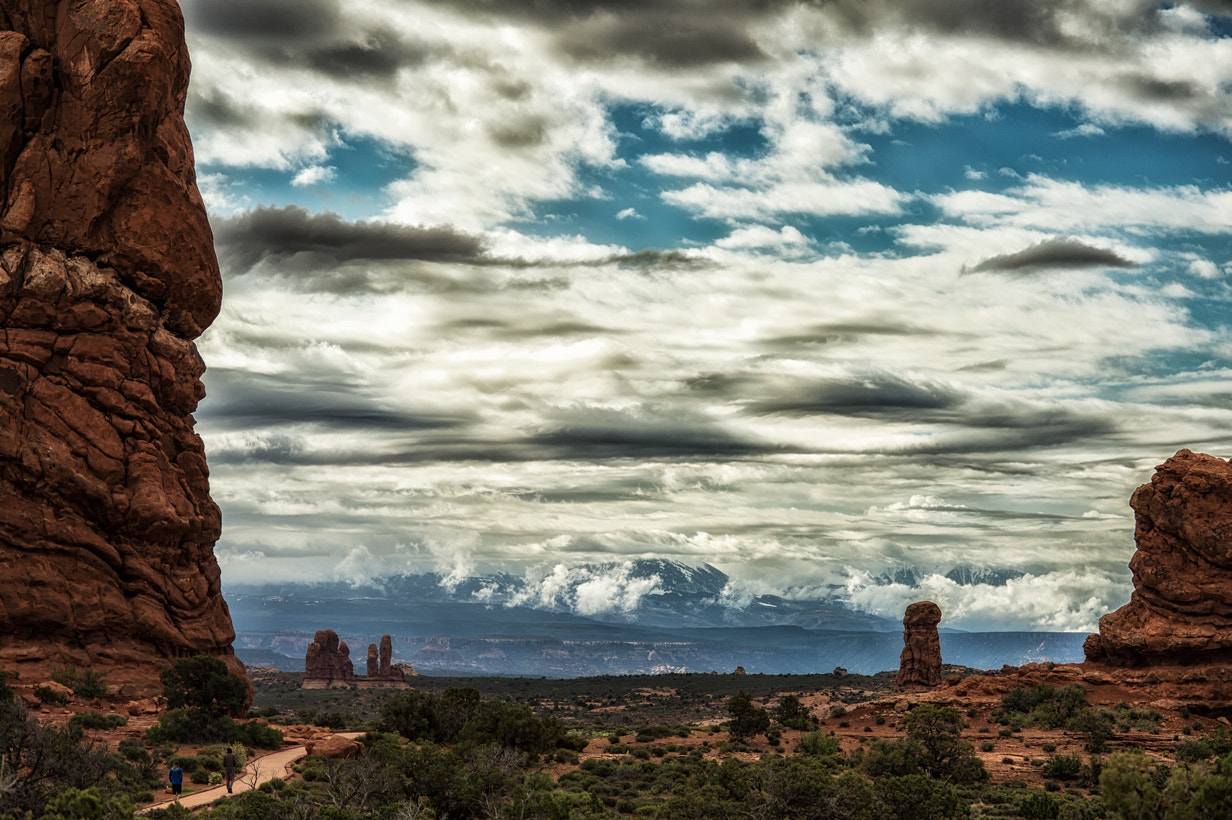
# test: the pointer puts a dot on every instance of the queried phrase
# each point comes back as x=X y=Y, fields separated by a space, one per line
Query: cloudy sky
x=809 y=291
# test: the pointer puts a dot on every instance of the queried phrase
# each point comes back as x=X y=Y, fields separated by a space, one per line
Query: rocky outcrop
x=334 y=747
x=107 y=274
x=1180 y=612
x=327 y=662
x=919 y=666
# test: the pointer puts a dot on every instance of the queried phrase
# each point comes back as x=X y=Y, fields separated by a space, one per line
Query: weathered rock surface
x=1180 y=611
x=919 y=666
x=107 y=274
x=328 y=661
x=334 y=747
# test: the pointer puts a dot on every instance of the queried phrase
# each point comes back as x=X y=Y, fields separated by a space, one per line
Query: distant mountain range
x=630 y=618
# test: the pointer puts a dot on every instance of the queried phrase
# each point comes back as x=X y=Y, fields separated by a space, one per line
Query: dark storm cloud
x=243 y=400
x=964 y=422
x=520 y=328
x=380 y=53
x=592 y=433
x=310 y=34
x=269 y=21
x=1059 y=253
x=1154 y=89
x=670 y=41
x=844 y=333
x=282 y=234
x=877 y=394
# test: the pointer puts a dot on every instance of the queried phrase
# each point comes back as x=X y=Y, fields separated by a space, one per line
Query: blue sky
x=812 y=292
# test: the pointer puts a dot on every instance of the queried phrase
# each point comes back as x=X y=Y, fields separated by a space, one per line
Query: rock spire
x=919 y=665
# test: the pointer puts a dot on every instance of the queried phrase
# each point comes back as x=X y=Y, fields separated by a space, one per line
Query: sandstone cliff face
x=107 y=274
x=919 y=666
x=1181 y=608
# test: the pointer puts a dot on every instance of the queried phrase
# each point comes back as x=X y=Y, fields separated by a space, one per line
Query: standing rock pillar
x=919 y=666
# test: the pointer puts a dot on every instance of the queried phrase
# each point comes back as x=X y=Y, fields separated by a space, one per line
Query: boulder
x=107 y=275
x=1180 y=611
x=334 y=747
x=919 y=665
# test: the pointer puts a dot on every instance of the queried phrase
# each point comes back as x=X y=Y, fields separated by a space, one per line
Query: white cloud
x=1062 y=206
x=1204 y=268
x=1062 y=601
x=786 y=238
x=629 y=213
x=314 y=175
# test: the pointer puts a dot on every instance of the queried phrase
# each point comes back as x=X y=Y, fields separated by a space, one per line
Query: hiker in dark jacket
x=228 y=767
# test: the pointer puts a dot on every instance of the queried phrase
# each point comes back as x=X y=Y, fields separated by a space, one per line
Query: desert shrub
x=197 y=726
x=1063 y=767
x=838 y=710
x=1193 y=751
x=1049 y=748
x=133 y=750
x=746 y=719
x=327 y=719
x=6 y=691
x=791 y=713
x=87 y=683
x=46 y=694
x=987 y=746
x=204 y=684
x=1039 y=806
x=97 y=720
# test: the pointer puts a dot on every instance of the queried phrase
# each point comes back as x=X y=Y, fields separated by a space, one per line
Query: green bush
x=204 y=684
x=746 y=719
x=197 y=726
x=1063 y=767
x=87 y=683
x=96 y=720
x=46 y=694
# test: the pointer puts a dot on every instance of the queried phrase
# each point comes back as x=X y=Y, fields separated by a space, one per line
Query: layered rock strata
x=919 y=665
x=1180 y=612
x=107 y=274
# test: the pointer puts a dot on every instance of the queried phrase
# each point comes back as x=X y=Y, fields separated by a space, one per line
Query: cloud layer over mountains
x=804 y=290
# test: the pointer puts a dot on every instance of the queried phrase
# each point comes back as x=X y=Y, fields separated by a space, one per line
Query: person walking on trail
x=228 y=767
x=176 y=776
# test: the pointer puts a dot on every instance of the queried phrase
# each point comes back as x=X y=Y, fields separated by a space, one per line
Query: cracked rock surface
x=107 y=275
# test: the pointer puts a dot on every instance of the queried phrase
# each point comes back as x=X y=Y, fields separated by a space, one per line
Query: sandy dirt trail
x=265 y=768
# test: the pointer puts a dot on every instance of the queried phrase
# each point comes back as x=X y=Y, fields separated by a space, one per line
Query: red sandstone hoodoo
x=107 y=274
x=919 y=666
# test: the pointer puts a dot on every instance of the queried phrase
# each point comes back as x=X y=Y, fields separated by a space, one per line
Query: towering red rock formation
x=385 y=668
x=919 y=666
x=374 y=664
x=1181 y=608
x=327 y=662
x=107 y=274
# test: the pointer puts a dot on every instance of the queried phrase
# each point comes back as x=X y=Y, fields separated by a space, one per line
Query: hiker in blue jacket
x=176 y=776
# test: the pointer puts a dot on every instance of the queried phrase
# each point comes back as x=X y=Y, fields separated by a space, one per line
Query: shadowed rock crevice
x=107 y=274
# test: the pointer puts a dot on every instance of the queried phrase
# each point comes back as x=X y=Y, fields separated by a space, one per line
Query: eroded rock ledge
x=107 y=274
